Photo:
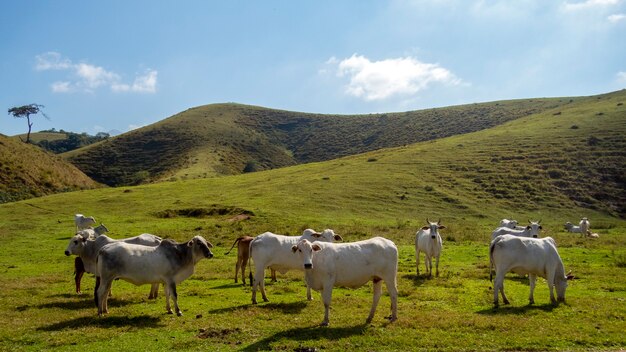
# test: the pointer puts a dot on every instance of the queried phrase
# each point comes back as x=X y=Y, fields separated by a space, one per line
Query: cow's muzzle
x=534 y=236
x=67 y=253
x=308 y=266
x=433 y=237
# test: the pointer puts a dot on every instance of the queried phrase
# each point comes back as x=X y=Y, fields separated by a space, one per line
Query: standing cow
x=350 y=265
x=428 y=240
x=86 y=250
x=169 y=263
x=274 y=251
x=532 y=256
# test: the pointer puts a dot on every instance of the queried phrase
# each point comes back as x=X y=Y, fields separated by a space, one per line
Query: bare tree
x=26 y=111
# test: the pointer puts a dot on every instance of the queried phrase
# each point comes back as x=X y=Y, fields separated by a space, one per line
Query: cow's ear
x=338 y=238
x=442 y=226
x=528 y=227
x=425 y=227
x=209 y=244
x=190 y=243
x=294 y=249
x=316 y=248
x=84 y=238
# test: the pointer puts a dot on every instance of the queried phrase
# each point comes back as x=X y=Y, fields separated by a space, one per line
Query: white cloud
x=588 y=4
x=61 y=87
x=142 y=84
x=621 y=77
x=89 y=77
x=617 y=17
x=379 y=80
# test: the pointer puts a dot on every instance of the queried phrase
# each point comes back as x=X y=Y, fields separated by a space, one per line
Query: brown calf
x=243 y=254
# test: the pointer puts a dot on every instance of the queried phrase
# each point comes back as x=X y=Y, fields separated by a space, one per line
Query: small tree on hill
x=26 y=111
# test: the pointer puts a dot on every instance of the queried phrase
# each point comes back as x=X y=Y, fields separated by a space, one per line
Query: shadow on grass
x=508 y=309
x=307 y=334
x=143 y=321
x=232 y=285
x=418 y=280
x=77 y=302
x=285 y=308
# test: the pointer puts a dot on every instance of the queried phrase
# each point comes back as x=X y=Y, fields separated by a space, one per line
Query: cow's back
x=135 y=263
x=524 y=255
x=274 y=251
x=353 y=264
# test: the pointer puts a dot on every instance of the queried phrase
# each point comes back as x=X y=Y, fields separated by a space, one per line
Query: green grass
x=389 y=193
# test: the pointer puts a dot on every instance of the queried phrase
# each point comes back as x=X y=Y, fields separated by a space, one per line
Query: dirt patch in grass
x=214 y=210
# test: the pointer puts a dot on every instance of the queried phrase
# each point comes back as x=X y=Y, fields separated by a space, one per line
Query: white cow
x=93 y=232
x=428 y=240
x=532 y=230
x=572 y=228
x=83 y=222
x=274 y=251
x=169 y=263
x=584 y=226
x=532 y=256
x=512 y=224
x=87 y=249
x=350 y=265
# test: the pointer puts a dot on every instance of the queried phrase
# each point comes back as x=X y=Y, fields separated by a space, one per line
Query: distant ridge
x=228 y=139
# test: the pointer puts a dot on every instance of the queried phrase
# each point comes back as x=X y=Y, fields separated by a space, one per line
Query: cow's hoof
x=391 y=318
x=324 y=323
x=170 y=312
x=254 y=301
x=265 y=300
x=180 y=314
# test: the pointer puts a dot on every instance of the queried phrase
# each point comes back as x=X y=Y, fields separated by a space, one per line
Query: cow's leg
x=436 y=266
x=273 y=272
x=259 y=281
x=428 y=264
x=154 y=291
x=327 y=293
x=417 y=261
x=308 y=293
x=392 y=288
x=79 y=270
x=550 y=279
x=244 y=262
x=378 y=290
x=103 y=287
x=499 y=287
x=532 y=280
x=237 y=266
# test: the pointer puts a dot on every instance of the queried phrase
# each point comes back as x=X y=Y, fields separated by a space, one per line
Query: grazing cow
x=87 y=249
x=83 y=222
x=243 y=254
x=584 y=226
x=428 y=240
x=350 y=265
x=532 y=230
x=572 y=228
x=274 y=251
x=169 y=263
x=532 y=256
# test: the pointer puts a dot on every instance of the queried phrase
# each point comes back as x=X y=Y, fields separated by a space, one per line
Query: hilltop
x=28 y=171
x=230 y=139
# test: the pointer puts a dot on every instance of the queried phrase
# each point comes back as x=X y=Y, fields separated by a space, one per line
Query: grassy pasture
x=466 y=180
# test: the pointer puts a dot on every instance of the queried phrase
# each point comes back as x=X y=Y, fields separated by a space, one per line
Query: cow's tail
x=250 y=276
x=491 y=248
x=233 y=246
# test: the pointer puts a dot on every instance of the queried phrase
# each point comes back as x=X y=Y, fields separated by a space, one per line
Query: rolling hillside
x=229 y=139
x=27 y=171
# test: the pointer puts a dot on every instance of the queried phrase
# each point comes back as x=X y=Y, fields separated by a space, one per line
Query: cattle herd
x=327 y=261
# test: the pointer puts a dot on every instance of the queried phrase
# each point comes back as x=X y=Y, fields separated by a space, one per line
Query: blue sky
x=119 y=65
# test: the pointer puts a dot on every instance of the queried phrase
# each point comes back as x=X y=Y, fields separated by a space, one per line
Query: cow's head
x=76 y=245
x=534 y=227
x=200 y=247
x=305 y=249
x=327 y=235
x=433 y=227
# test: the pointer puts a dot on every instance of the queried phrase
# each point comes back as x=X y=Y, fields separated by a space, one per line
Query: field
x=559 y=173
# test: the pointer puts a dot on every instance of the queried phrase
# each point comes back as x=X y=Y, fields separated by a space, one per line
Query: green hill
x=27 y=171
x=228 y=139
